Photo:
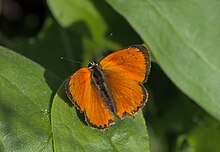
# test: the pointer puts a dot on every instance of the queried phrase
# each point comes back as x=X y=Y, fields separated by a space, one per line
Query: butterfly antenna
x=62 y=58
x=110 y=35
x=104 y=47
x=108 y=38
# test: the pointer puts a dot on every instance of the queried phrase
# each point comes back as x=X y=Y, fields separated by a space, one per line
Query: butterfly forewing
x=86 y=97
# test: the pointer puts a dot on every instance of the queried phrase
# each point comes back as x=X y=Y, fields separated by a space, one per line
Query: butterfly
x=114 y=86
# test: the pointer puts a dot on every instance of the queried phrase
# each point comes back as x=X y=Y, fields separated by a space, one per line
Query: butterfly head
x=92 y=65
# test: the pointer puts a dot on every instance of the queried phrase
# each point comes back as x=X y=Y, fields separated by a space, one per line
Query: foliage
x=184 y=83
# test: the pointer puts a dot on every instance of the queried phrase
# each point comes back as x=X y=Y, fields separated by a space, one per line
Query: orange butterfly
x=112 y=86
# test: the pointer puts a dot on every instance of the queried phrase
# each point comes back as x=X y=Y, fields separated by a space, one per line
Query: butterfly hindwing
x=129 y=96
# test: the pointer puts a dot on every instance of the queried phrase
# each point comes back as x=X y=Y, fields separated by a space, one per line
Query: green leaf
x=71 y=13
x=25 y=99
x=184 y=39
x=70 y=133
x=194 y=140
x=82 y=18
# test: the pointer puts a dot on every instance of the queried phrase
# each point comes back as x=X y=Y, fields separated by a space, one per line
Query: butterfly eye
x=90 y=65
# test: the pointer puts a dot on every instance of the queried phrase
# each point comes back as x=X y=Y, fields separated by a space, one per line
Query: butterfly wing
x=86 y=98
x=125 y=71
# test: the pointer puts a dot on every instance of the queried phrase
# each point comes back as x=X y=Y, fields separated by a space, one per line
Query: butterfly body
x=98 y=80
x=112 y=86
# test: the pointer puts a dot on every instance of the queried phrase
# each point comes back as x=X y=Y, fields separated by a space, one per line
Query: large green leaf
x=70 y=133
x=26 y=91
x=83 y=18
x=71 y=13
x=184 y=39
